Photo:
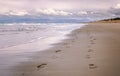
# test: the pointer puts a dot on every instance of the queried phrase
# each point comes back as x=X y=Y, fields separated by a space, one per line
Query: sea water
x=18 y=41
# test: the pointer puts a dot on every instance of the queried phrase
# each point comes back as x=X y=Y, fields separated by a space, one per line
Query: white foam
x=46 y=34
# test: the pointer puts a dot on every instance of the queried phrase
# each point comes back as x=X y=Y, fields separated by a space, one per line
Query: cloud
x=86 y=12
x=39 y=12
x=53 y=12
x=18 y=13
x=57 y=4
x=115 y=10
x=4 y=11
x=82 y=13
x=14 y=12
x=117 y=6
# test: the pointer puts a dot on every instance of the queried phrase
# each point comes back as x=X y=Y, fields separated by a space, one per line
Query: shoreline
x=92 y=50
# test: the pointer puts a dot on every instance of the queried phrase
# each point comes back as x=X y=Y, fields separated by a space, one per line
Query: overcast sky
x=57 y=7
x=58 y=4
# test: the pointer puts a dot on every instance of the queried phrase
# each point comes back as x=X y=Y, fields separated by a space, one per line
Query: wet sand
x=93 y=50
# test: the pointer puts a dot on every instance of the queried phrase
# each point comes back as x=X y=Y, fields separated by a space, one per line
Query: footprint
x=92 y=42
x=92 y=66
x=54 y=57
x=41 y=66
x=23 y=74
x=94 y=39
x=91 y=37
x=90 y=50
x=58 y=51
x=88 y=56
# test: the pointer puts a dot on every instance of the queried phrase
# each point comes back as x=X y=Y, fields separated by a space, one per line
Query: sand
x=93 y=50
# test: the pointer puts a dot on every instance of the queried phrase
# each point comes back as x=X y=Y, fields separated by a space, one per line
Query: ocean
x=19 y=41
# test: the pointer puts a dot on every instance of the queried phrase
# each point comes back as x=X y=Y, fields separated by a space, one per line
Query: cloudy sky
x=58 y=7
x=58 y=4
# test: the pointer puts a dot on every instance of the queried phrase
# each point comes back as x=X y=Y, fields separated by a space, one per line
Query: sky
x=59 y=7
x=58 y=4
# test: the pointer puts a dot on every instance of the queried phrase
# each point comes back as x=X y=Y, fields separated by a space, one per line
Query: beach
x=92 y=50
x=19 y=42
x=60 y=38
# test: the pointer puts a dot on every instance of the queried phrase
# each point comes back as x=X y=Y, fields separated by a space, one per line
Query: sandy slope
x=93 y=50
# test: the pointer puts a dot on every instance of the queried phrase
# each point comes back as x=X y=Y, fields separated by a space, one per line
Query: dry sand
x=93 y=50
